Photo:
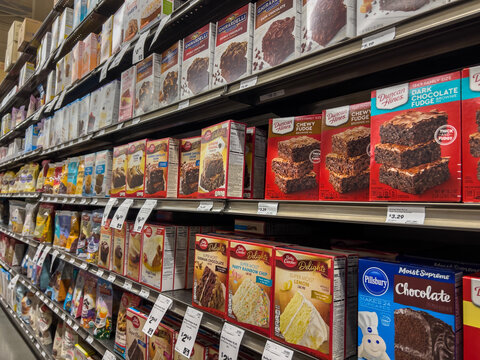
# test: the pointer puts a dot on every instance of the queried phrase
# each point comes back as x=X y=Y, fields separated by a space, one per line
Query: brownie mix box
x=345 y=153
x=408 y=311
x=171 y=70
x=309 y=301
x=136 y=168
x=161 y=174
x=255 y=154
x=127 y=94
x=133 y=252
x=119 y=171
x=222 y=161
x=471 y=316
x=136 y=348
x=147 y=86
x=277 y=33
x=105 y=246
x=189 y=167
x=197 y=65
x=210 y=279
x=119 y=250
x=471 y=134
x=234 y=44
x=293 y=158
x=415 y=141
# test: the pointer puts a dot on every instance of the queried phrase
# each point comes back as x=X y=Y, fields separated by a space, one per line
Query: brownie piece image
x=402 y=5
x=213 y=182
x=405 y=157
x=188 y=188
x=289 y=185
x=278 y=42
x=189 y=178
x=287 y=168
x=210 y=291
x=418 y=179
x=326 y=19
x=474 y=141
x=104 y=247
x=351 y=142
x=347 y=183
x=118 y=178
x=419 y=335
x=347 y=165
x=412 y=127
x=170 y=87
x=298 y=149
x=233 y=62
x=155 y=181
x=197 y=75
x=145 y=97
x=135 y=177
x=213 y=164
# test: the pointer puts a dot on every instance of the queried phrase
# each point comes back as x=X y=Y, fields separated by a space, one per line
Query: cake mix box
x=277 y=33
x=192 y=231
x=153 y=10
x=103 y=172
x=161 y=175
x=408 y=311
x=471 y=316
x=90 y=53
x=106 y=40
x=119 y=171
x=189 y=167
x=105 y=246
x=309 y=302
x=156 y=262
x=345 y=153
x=415 y=141
x=171 y=70
x=117 y=29
x=77 y=61
x=119 y=250
x=133 y=253
x=136 y=168
x=131 y=19
x=136 y=348
x=109 y=106
x=255 y=153
x=160 y=344
x=197 y=65
x=293 y=158
x=471 y=134
x=147 y=85
x=211 y=274
x=234 y=44
x=127 y=93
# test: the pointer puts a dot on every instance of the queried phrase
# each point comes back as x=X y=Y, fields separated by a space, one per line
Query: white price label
x=64 y=200
x=83 y=201
x=272 y=95
x=139 y=49
x=50 y=105
x=230 y=340
x=188 y=331
x=103 y=72
x=44 y=354
x=62 y=256
x=108 y=356
x=59 y=103
x=37 y=253
x=94 y=201
x=37 y=293
x=13 y=282
x=110 y=204
x=101 y=132
x=70 y=322
x=55 y=310
x=378 y=38
x=183 y=104
x=89 y=339
x=71 y=260
x=100 y=272
x=136 y=120
x=111 y=278
x=37 y=115
x=145 y=293
x=248 y=82
x=274 y=351
x=405 y=215
x=143 y=214
x=127 y=285
x=75 y=327
x=43 y=257
x=121 y=214
x=267 y=208
x=162 y=304
x=54 y=256
x=162 y=24
x=37 y=346
x=84 y=266
x=63 y=316
x=119 y=57
x=42 y=297
x=205 y=206
x=119 y=126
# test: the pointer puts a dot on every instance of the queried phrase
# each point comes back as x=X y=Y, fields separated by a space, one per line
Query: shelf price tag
x=405 y=215
x=54 y=256
x=108 y=356
x=378 y=38
x=100 y=272
x=44 y=354
x=139 y=49
x=110 y=204
x=143 y=214
x=230 y=340
x=75 y=327
x=103 y=72
x=14 y=281
x=37 y=253
x=274 y=351
x=248 y=82
x=43 y=257
x=119 y=57
x=162 y=24
x=127 y=285
x=89 y=339
x=121 y=214
x=59 y=103
x=267 y=208
x=70 y=322
x=84 y=266
x=188 y=331
x=145 y=293
x=162 y=304
x=111 y=278
x=205 y=206
x=183 y=104
x=71 y=260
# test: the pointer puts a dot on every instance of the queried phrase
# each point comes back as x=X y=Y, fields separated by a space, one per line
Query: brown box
x=11 y=54
x=28 y=28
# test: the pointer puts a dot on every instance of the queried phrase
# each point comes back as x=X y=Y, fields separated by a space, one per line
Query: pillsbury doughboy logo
x=392 y=97
x=375 y=281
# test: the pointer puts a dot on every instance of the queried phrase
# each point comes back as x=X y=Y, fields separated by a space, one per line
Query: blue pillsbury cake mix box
x=408 y=311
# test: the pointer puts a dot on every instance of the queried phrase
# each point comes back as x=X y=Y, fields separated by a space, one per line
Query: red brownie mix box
x=293 y=158
x=189 y=167
x=415 y=141
x=471 y=316
x=471 y=134
x=345 y=162
x=255 y=153
x=161 y=173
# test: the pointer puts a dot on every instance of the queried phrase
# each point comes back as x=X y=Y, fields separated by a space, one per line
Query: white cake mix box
x=109 y=105
x=65 y=25
x=96 y=99
x=117 y=30
x=171 y=70
x=84 y=110
x=127 y=94
x=147 y=85
x=74 y=119
x=106 y=39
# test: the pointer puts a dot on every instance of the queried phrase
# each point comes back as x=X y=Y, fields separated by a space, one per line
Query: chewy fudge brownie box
x=293 y=158
x=415 y=141
x=345 y=164
x=471 y=316
x=408 y=311
x=189 y=167
x=161 y=168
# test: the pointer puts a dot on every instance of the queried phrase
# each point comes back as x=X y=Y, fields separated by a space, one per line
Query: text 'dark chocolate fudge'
x=347 y=183
x=347 y=165
x=197 y=75
x=474 y=141
x=298 y=148
x=351 y=142
x=279 y=42
x=290 y=184
x=327 y=18
x=233 y=62
x=405 y=157
x=402 y=5
x=412 y=127
x=418 y=179
x=291 y=169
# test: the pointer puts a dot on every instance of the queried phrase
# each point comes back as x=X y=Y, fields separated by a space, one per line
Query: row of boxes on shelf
x=18 y=115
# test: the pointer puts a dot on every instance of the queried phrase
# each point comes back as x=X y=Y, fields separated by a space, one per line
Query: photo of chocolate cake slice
x=213 y=175
x=135 y=177
x=233 y=62
x=197 y=75
x=118 y=178
x=278 y=42
x=135 y=351
x=326 y=20
x=104 y=250
x=402 y=5
x=210 y=291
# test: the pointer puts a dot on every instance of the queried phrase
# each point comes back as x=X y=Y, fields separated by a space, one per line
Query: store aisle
x=12 y=345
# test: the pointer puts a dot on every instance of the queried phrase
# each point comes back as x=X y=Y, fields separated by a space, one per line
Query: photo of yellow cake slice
x=251 y=305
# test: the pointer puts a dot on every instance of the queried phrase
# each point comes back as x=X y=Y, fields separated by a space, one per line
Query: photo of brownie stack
x=213 y=175
x=189 y=178
x=279 y=42
x=326 y=20
x=404 y=5
x=474 y=141
x=293 y=167
x=197 y=75
x=233 y=62
x=348 y=163
x=409 y=153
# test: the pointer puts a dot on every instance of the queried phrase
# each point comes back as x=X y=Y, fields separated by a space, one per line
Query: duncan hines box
x=198 y=54
x=161 y=175
x=127 y=94
x=415 y=141
x=255 y=153
x=136 y=168
x=471 y=134
x=309 y=307
x=471 y=317
x=408 y=311
x=233 y=51
x=293 y=158
x=147 y=85
x=189 y=167
x=345 y=153
x=277 y=33
x=119 y=171
x=222 y=161
x=171 y=70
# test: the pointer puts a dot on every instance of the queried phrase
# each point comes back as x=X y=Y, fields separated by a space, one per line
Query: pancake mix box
x=415 y=141
x=345 y=159
x=471 y=317
x=408 y=311
x=161 y=175
x=189 y=167
x=293 y=158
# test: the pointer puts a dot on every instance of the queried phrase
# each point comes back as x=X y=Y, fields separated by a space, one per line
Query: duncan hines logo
x=337 y=116
x=475 y=78
x=283 y=125
x=476 y=291
x=392 y=97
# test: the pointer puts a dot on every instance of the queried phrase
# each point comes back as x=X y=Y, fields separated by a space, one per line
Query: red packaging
x=345 y=164
x=415 y=141
x=293 y=158
x=136 y=168
x=189 y=167
x=161 y=175
x=471 y=317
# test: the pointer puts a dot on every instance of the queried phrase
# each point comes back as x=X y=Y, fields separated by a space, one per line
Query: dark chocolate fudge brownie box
x=293 y=158
x=345 y=161
x=408 y=311
x=415 y=141
x=471 y=134
x=189 y=167
x=161 y=168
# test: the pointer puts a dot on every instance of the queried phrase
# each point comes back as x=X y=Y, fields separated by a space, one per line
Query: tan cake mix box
x=136 y=168
x=222 y=161
x=255 y=153
x=136 y=339
x=171 y=70
x=192 y=232
x=160 y=345
x=133 y=253
x=161 y=176
x=189 y=167
x=119 y=171
x=119 y=250
x=127 y=94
